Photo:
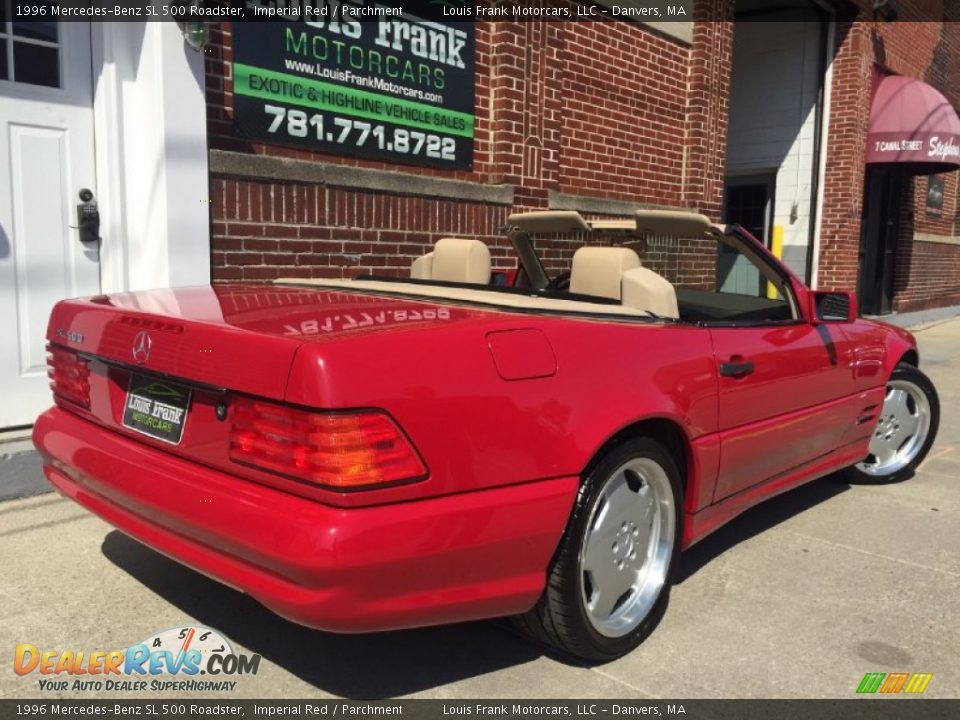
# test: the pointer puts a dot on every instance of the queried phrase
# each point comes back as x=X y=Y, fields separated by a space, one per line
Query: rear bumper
x=449 y=559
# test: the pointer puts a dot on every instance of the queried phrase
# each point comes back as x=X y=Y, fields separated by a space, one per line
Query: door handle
x=736 y=369
x=88 y=218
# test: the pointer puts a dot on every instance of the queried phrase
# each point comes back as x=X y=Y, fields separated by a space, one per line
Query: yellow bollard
x=776 y=247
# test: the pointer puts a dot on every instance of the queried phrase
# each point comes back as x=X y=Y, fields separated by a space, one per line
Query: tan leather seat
x=644 y=289
x=422 y=268
x=454 y=260
x=597 y=270
x=615 y=272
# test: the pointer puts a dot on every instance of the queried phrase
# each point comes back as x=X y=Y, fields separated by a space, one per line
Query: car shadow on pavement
x=389 y=664
x=759 y=519
x=371 y=666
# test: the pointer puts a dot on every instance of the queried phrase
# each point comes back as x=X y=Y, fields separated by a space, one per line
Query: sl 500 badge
x=71 y=335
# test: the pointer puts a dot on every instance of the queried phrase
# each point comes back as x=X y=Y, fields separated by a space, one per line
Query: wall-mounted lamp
x=887 y=10
x=196 y=33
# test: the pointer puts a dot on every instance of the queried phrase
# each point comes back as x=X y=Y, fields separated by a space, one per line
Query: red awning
x=911 y=122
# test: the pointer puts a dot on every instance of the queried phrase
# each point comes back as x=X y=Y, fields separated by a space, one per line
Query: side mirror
x=832 y=306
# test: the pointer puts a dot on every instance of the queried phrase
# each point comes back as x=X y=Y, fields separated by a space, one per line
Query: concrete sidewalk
x=920 y=318
x=800 y=597
x=20 y=473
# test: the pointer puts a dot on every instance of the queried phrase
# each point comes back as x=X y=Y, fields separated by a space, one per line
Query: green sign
x=399 y=88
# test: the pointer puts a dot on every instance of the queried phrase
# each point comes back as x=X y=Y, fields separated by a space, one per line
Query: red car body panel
x=464 y=556
x=506 y=409
x=800 y=370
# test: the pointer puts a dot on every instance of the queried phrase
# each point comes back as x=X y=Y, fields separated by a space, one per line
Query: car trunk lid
x=165 y=367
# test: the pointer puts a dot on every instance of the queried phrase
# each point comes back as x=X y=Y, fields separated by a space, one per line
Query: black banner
x=357 y=78
x=872 y=709
x=518 y=10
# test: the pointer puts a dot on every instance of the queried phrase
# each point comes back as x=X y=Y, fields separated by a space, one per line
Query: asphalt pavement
x=798 y=598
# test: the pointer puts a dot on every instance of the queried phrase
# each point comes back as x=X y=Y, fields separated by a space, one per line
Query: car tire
x=905 y=429
x=610 y=577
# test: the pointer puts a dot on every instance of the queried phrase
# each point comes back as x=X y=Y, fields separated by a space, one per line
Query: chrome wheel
x=627 y=547
x=901 y=430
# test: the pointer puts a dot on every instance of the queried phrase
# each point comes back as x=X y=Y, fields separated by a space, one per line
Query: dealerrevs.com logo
x=893 y=683
x=180 y=659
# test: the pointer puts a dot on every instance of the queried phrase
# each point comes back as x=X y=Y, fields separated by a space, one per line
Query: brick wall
x=610 y=110
x=264 y=230
x=689 y=263
x=927 y=272
x=557 y=110
x=846 y=147
x=708 y=111
x=638 y=84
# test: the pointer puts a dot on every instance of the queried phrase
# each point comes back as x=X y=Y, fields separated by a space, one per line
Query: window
x=719 y=281
x=722 y=280
x=29 y=51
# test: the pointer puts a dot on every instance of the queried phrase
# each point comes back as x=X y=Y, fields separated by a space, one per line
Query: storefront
x=912 y=144
x=891 y=220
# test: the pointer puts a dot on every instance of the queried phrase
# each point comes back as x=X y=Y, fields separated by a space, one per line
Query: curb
x=918 y=319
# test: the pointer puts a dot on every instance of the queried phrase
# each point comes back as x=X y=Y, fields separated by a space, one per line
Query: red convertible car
x=465 y=442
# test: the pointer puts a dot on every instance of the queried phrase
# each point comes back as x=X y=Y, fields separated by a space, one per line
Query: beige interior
x=422 y=268
x=679 y=223
x=643 y=288
x=607 y=272
x=548 y=221
x=598 y=270
x=481 y=295
x=454 y=260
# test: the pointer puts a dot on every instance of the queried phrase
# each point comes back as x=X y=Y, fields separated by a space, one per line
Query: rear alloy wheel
x=905 y=430
x=611 y=575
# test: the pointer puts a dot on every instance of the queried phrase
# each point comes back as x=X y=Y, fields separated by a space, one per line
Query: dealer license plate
x=156 y=408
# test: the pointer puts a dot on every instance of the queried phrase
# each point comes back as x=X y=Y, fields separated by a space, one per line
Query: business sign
x=919 y=147
x=357 y=79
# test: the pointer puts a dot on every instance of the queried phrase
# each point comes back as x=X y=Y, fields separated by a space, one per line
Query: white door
x=46 y=159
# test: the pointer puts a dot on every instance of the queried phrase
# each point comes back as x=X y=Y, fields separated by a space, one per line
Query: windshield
x=716 y=278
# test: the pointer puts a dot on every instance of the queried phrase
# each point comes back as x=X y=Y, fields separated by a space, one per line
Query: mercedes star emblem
x=141 y=347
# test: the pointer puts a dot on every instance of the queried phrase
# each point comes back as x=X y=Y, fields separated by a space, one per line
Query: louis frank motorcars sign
x=356 y=78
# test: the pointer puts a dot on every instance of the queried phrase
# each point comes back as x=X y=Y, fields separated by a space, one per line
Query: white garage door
x=46 y=159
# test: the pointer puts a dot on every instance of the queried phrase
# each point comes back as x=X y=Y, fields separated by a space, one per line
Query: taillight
x=339 y=450
x=69 y=376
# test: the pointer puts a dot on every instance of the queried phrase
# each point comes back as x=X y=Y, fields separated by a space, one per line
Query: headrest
x=465 y=261
x=646 y=290
x=597 y=270
x=422 y=268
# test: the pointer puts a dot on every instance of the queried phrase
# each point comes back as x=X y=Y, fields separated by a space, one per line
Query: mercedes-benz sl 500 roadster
x=539 y=441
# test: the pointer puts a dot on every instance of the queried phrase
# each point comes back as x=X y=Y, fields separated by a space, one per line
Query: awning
x=911 y=122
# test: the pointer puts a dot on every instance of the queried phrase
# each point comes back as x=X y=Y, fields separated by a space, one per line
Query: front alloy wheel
x=610 y=577
x=905 y=430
